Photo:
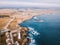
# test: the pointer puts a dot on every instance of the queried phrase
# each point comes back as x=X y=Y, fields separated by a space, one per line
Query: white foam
x=32 y=41
x=35 y=17
x=33 y=31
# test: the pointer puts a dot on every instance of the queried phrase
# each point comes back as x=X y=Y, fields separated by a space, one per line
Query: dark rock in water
x=49 y=29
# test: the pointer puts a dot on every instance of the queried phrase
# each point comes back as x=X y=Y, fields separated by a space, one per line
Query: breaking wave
x=31 y=34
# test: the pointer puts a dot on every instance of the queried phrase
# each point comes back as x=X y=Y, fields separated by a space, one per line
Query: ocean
x=43 y=29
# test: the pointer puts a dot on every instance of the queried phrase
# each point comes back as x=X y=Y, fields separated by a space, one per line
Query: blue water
x=48 y=31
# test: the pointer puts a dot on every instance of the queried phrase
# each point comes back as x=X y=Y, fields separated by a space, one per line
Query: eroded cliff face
x=10 y=18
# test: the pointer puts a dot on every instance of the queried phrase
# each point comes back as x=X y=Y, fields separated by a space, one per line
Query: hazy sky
x=38 y=3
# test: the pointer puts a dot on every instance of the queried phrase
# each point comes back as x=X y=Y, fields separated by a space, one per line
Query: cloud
x=41 y=1
x=16 y=3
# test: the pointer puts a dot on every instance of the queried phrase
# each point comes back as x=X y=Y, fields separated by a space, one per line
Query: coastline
x=21 y=15
x=10 y=18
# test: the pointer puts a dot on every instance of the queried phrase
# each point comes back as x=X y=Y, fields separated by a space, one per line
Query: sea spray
x=31 y=34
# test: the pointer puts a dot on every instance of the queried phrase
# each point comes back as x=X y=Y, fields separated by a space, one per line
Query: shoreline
x=22 y=15
x=11 y=18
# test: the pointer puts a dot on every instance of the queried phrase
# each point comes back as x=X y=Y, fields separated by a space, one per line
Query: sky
x=30 y=3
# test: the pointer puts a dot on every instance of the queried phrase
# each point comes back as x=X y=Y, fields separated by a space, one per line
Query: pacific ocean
x=48 y=29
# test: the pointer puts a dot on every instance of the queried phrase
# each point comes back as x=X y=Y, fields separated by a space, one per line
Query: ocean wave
x=31 y=37
x=37 y=19
x=32 y=30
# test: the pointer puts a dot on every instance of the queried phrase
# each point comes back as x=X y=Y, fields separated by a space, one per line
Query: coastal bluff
x=20 y=15
x=10 y=18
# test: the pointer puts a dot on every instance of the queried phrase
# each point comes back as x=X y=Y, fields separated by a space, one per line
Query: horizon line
x=15 y=3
